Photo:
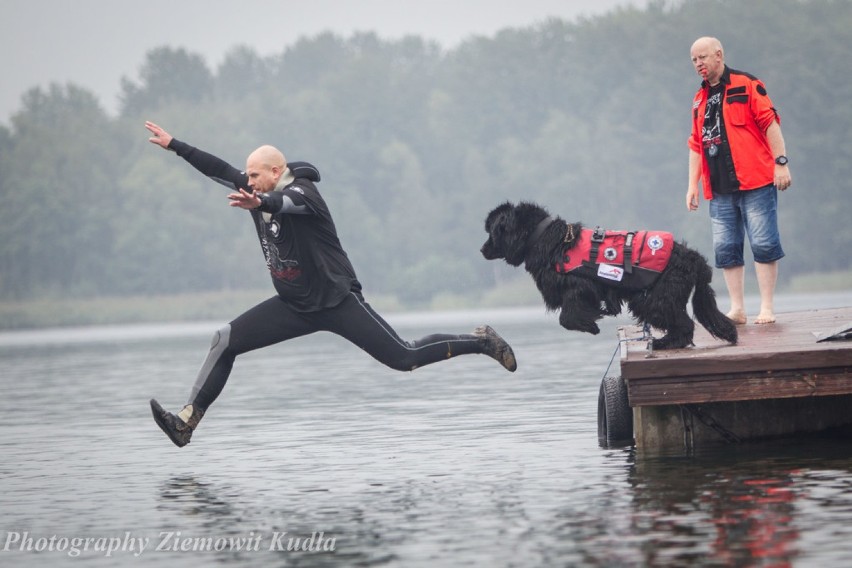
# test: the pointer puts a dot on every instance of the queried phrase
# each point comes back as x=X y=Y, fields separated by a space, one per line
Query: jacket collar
x=285 y=180
x=724 y=79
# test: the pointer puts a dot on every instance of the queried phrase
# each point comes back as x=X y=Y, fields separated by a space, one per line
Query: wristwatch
x=781 y=160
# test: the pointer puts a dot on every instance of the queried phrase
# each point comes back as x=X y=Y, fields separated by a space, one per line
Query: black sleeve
x=215 y=168
x=292 y=200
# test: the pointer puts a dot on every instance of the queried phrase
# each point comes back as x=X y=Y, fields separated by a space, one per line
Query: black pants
x=273 y=321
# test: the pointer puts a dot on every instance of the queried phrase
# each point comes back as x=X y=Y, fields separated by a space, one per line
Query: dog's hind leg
x=664 y=308
x=679 y=329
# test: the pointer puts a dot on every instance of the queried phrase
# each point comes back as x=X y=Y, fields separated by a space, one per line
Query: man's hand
x=160 y=137
x=244 y=199
x=782 y=177
x=692 y=199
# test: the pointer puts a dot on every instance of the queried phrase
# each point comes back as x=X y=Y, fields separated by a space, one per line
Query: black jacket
x=309 y=268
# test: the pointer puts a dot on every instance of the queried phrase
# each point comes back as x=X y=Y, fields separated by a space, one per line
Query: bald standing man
x=737 y=154
x=315 y=284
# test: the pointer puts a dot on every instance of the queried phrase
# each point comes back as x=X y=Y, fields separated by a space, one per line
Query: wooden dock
x=778 y=380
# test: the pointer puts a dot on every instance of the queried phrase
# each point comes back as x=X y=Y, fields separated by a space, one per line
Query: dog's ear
x=530 y=213
x=496 y=212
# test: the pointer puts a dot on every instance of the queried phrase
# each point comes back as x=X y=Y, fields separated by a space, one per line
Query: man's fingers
x=242 y=196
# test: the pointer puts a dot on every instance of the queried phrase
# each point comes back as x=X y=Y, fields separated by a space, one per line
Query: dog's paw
x=587 y=327
x=666 y=342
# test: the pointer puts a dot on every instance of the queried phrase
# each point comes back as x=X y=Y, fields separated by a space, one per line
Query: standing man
x=736 y=151
x=315 y=284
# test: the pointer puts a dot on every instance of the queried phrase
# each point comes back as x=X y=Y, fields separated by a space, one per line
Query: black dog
x=525 y=233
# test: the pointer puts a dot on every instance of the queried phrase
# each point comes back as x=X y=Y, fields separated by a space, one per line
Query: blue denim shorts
x=753 y=212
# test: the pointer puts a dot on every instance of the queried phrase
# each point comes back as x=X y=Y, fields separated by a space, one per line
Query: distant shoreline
x=226 y=305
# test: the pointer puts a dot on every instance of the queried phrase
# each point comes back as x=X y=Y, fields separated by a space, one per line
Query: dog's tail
x=704 y=304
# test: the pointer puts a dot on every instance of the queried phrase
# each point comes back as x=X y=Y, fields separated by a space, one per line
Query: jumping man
x=315 y=284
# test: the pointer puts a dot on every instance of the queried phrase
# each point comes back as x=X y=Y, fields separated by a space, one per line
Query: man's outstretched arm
x=215 y=168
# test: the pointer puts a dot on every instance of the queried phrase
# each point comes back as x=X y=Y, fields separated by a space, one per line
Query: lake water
x=314 y=446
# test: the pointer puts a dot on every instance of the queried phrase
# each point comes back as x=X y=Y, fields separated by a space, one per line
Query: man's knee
x=766 y=246
x=767 y=254
x=728 y=256
x=398 y=361
x=221 y=340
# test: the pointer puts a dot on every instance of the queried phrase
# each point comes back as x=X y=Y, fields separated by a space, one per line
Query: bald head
x=708 y=58
x=707 y=43
x=268 y=156
x=264 y=168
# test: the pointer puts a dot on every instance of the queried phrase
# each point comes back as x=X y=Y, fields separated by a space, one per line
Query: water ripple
x=457 y=464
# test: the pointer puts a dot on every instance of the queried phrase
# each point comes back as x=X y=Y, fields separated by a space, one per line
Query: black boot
x=175 y=428
x=496 y=347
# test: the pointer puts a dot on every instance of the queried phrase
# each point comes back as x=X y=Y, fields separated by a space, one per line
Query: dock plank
x=780 y=360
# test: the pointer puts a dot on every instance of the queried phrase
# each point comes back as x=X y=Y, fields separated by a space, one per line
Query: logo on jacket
x=287 y=270
x=274 y=229
x=610 y=272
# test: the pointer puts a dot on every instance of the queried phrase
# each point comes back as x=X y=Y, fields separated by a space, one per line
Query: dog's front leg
x=579 y=319
x=611 y=304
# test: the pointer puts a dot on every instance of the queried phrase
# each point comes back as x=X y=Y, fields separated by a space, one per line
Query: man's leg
x=735 y=282
x=356 y=321
x=267 y=323
x=728 y=242
x=767 y=275
x=760 y=209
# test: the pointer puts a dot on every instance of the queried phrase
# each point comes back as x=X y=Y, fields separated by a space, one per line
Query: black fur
x=584 y=300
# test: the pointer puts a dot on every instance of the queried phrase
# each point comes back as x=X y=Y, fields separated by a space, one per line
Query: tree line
x=415 y=145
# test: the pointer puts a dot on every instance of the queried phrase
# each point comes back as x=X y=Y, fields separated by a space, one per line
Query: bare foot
x=738 y=317
x=765 y=317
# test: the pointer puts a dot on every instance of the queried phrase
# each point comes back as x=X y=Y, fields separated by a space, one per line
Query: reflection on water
x=316 y=455
x=744 y=505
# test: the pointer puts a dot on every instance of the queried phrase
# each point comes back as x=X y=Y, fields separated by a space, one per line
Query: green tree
x=416 y=145
x=168 y=75
x=58 y=188
x=241 y=72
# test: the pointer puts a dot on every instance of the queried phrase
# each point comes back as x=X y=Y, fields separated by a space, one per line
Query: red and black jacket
x=747 y=112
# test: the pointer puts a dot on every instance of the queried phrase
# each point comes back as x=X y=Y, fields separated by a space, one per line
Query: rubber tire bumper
x=615 y=417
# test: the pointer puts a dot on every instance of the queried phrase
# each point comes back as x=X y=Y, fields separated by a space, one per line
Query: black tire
x=615 y=417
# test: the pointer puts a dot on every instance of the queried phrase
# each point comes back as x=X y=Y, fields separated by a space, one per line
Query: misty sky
x=93 y=43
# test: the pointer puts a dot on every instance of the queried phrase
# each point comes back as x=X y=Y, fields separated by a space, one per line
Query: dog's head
x=509 y=228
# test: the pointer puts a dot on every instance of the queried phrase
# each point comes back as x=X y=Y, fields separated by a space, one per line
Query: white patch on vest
x=274 y=228
x=655 y=243
x=610 y=253
x=610 y=272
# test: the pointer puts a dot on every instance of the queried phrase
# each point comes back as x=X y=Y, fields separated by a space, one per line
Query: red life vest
x=648 y=253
